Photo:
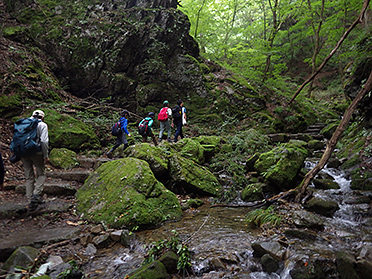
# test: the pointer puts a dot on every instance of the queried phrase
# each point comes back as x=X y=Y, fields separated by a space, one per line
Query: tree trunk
x=335 y=137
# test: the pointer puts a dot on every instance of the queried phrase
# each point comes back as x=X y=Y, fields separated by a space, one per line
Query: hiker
x=35 y=184
x=164 y=119
x=2 y=172
x=122 y=137
x=178 y=119
x=145 y=128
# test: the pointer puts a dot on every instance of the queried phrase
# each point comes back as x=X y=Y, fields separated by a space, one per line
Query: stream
x=218 y=236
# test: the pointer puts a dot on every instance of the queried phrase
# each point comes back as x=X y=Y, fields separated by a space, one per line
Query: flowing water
x=219 y=234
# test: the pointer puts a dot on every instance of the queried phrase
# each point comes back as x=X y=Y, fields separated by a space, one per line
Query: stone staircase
x=313 y=131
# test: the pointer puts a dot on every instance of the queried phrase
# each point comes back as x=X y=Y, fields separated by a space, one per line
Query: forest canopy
x=263 y=40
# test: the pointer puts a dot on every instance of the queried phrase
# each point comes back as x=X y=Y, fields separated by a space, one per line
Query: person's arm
x=124 y=125
x=44 y=139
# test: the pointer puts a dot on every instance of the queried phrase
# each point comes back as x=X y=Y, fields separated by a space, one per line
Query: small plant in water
x=160 y=247
x=259 y=217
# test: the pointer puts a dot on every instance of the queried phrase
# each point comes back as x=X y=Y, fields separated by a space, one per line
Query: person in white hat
x=35 y=182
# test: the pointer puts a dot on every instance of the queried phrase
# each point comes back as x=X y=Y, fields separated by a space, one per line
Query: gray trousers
x=165 y=125
x=34 y=184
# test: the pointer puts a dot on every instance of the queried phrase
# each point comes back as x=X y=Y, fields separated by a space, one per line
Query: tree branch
x=347 y=32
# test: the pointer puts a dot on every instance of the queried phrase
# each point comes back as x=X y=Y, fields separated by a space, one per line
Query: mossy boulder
x=154 y=270
x=323 y=207
x=190 y=149
x=125 y=193
x=190 y=177
x=281 y=165
x=211 y=144
x=63 y=158
x=23 y=257
x=68 y=132
x=155 y=156
x=325 y=184
x=328 y=130
x=253 y=192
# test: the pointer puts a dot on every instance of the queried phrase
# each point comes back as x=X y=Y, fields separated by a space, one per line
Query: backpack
x=163 y=115
x=143 y=128
x=177 y=112
x=24 y=138
x=116 y=129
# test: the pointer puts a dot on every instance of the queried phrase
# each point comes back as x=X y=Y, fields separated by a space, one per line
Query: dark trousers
x=178 y=124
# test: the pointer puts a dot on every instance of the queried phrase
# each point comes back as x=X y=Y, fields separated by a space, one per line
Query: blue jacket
x=124 y=124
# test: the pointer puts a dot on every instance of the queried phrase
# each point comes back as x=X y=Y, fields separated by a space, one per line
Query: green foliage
x=260 y=217
x=69 y=272
x=174 y=243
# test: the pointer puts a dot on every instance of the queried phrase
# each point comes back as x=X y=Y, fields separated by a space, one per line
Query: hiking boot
x=109 y=155
x=36 y=199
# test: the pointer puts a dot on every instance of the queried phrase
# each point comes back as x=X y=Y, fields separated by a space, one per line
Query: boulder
x=325 y=184
x=190 y=149
x=190 y=177
x=345 y=266
x=281 y=165
x=154 y=270
x=269 y=264
x=23 y=257
x=323 y=207
x=125 y=193
x=306 y=219
x=253 y=192
x=155 y=156
x=273 y=248
x=63 y=158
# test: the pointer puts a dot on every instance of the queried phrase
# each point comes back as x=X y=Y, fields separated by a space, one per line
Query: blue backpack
x=116 y=129
x=24 y=138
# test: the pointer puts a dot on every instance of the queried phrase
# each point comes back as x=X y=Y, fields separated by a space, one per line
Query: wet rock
x=334 y=163
x=364 y=269
x=319 y=268
x=170 y=260
x=274 y=249
x=155 y=270
x=306 y=219
x=345 y=266
x=67 y=268
x=217 y=264
x=127 y=238
x=35 y=238
x=116 y=235
x=315 y=144
x=323 y=207
x=325 y=184
x=102 y=241
x=301 y=234
x=253 y=192
x=366 y=253
x=97 y=229
x=22 y=257
x=357 y=199
x=11 y=210
x=269 y=264
x=85 y=239
x=91 y=250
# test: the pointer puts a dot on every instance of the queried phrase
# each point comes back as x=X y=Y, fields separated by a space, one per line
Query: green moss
x=63 y=158
x=68 y=132
x=190 y=149
x=125 y=193
x=253 y=192
x=281 y=165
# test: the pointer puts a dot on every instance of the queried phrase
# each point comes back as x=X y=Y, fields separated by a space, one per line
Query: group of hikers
x=34 y=153
x=167 y=117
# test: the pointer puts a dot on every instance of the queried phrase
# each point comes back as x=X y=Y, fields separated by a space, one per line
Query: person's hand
x=172 y=125
x=128 y=135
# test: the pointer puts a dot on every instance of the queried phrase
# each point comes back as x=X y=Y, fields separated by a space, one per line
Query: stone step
x=90 y=163
x=35 y=238
x=54 y=189
x=79 y=175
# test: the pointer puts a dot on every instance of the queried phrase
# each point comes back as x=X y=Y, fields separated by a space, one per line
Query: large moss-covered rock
x=63 y=158
x=253 y=192
x=68 y=132
x=125 y=193
x=23 y=257
x=211 y=144
x=281 y=165
x=190 y=149
x=155 y=156
x=191 y=177
x=154 y=270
